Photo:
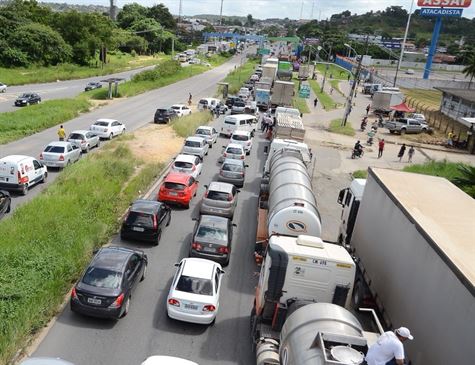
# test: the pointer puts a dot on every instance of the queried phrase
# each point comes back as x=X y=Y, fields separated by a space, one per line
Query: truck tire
x=358 y=294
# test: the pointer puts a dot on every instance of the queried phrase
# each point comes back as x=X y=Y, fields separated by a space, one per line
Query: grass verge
x=325 y=100
x=117 y=63
x=47 y=242
x=360 y=174
x=336 y=127
x=335 y=71
x=237 y=77
x=430 y=98
x=336 y=86
x=186 y=126
x=298 y=102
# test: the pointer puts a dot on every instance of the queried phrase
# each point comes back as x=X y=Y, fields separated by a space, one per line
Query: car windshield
x=204 y=102
x=205 y=132
x=232 y=167
x=240 y=137
x=54 y=149
x=102 y=278
x=217 y=195
x=192 y=144
x=174 y=186
x=239 y=104
x=183 y=165
x=234 y=150
x=140 y=219
x=211 y=233
x=230 y=121
x=25 y=96
x=102 y=124
x=189 y=284
x=176 y=107
x=76 y=136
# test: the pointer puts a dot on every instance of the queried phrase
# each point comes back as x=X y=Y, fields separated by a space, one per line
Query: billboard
x=445 y=3
x=441 y=12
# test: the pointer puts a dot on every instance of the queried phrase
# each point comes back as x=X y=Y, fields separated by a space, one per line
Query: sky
x=262 y=9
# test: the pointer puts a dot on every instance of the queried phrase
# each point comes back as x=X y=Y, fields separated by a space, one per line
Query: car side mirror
x=176 y=264
x=194 y=219
x=246 y=165
x=238 y=191
x=224 y=146
x=234 y=225
x=221 y=271
x=206 y=186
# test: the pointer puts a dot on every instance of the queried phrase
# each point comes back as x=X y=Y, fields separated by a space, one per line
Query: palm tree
x=466 y=180
x=469 y=70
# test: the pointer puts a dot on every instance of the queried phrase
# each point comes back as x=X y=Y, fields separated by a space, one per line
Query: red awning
x=403 y=108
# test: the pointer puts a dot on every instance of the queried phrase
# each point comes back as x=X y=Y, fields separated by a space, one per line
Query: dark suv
x=27 y=99
x=164 y=115
x=231 y=100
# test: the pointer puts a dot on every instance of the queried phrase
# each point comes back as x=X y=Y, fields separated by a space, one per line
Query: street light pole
x=403 y=45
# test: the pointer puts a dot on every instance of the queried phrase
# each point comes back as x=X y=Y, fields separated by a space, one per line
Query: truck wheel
x=358 y=294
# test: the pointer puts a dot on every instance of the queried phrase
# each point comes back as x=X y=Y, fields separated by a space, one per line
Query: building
x=458 y=103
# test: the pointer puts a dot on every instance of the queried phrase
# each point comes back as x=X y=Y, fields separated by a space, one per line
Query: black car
x=27 y=99
x=212 y=239
x=5 y=203
x=92 y=85
x=164 y=115
x=145 y=221
x=106 y=286
x=231 y=100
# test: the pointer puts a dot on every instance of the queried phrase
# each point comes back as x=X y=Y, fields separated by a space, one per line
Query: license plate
x=209 y=249
x=172 y=193
x=191 y=306
x=94 y=301
x=138 y=229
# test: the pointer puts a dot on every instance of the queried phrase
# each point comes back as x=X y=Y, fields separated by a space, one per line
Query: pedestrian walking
x=401 y=152
x=315 y=102
x=368 y=108
x=410 y=154
x=389 y=348
x=61 y=133
x=349 y=77
x=450 y=141
x=380 y=148
x=331 y=90
x=189 y=99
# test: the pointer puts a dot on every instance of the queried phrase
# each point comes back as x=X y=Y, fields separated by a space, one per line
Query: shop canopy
x=403 y=108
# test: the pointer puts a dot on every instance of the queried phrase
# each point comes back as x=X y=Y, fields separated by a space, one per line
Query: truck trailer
x=413 y=238
x=384 y=100
x=282 y=93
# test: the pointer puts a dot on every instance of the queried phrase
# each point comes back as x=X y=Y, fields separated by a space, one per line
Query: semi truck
x=305 y=71
x=269 y=71
x=282 y=93
x=384 y=100
x=284 y=71
x=412 y=237
x=281 y=146
x=262 y=98
x=288 y=126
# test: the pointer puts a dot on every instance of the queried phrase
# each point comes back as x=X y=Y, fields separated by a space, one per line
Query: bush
x=163 y=69
x=186 y=126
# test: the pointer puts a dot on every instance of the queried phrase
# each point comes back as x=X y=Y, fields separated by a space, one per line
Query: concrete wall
x=420 y=65
x=415 y=83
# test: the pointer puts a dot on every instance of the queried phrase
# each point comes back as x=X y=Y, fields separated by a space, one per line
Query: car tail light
x=118 y=302
x=230 y=197
x=174 y=302
x=22 y=180
x=242 y=173
x=223 y=250
x=249 y=143
x=41 y=156
x=193 y=168
x=73 y=294
x=61 y=158
x=225 y=154
x=196 y=246
x=155 y=224
x=181 y=193
x=209 y=308
x=242 y=157
x=83 y=141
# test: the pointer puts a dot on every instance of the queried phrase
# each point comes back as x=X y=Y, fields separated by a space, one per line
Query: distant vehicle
x=195 y=146
x=206 y=64
x=3 y=88
x=233 y=172
x=182 y=57
x=92 y=85
x=243 y=138
x=231 y=99
x=233 y=151
x=255 y=77
x=45 y=361
x=5 y=203
x=406 y=125
x=207 y=103
x=194 y=61
x=239 y=107
x=83 y=139
x=145 y=221
x=107 y=128
x=244 y=93
x=60 y=154
x=194 y=292
x=164 y=115
x=220 y=199
x=208 y=133
x=168 y=360
x=28 y=99
x=242 y=121
x=420 y=117
x=410 y=71
x=188 y=164
x=181 y=109
x=19 y=173
x=178 y=188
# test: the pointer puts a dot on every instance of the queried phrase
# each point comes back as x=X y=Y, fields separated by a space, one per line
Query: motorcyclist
x=364 y=122
x=358 y=148
x=371 y=135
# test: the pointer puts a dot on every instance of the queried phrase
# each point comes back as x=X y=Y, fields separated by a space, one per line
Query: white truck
x=262 y=97
x=413 y=238
x=305 y=71
x=282 y=146
x=282 y=93
x=269 y=71
x=288 y=126
x=384 y=100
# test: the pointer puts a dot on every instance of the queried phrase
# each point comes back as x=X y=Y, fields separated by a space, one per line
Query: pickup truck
x=406 y=125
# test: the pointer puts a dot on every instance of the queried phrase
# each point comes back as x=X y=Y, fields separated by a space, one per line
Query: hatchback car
x=243 y=138
x=239 y=107
x=234 y=151
x=107 y=128
x=187 y=164
x=178 y=188
x=27 y=99
x=212 y=239
x=92 y=85
x=231 y=99
x=107 y=284
x=60 y=154
x=145 y=221
x=220 y=199
x=3 y=88
x=195 y=146
x=194 y=293
x=210 y=134
x=164 y=115
x=181 y=109
x=83 y=139
x=5 y=203
x=233 y=172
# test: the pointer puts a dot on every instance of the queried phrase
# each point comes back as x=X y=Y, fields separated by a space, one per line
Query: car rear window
x=161 y=111
x=217 y=195
x=192 y=144
x=76 y=136
x=231 y=167
x=230 y=121
x=211 y=233
x=206 y=132
x=102 y=278
x=54 y=149
x=189 y=284
x=176 y=107
x=234 y=150
x=204 y=102
x=183 y=165
x=102 y=124
x=240 y=137
x=174 y=186
x=239 y=104
x=138 y=218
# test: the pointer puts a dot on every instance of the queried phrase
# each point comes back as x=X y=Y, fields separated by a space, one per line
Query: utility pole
x=311 y=14
x=301 y=10
x=179 y=11
x=221 y=14
x=403 y=45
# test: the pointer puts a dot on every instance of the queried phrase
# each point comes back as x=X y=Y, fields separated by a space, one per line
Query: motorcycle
x=369 y=142
x=357 y=153
x=363 y=125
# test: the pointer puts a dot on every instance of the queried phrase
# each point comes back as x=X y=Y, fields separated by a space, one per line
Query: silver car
x=233 y=172
x=220 y=199
x=60 y=154
x=208 y=133
x=195 y=146
x=83 y=139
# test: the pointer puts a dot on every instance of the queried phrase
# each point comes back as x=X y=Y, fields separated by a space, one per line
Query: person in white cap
x=389 y=349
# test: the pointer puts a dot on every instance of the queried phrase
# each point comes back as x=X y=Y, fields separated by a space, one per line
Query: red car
x=178 y=188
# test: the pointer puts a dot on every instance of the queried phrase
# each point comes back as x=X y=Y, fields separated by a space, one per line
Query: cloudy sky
x=268 y=8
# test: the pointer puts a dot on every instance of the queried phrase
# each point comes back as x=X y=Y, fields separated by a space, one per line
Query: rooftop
x=466 y=94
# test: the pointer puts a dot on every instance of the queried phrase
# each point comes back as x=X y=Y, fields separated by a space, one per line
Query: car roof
x=106 y=120
x=232 y=161
x=15 y=158
x=205 y=127
x=242 y=132
x=113 y=258
x=234 y=145
x=186 y=158
x=196 y=139
x=179 y=105
x=167 y=360
x=145 y=206
x=45 y=361
x=220 y=186
x=81 y=131
x=199 y=268
x=59 y=143
x=213 y=221
x=177 y=177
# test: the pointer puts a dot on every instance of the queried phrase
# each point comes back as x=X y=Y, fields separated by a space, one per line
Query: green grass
x=360 y=174
x=431 y=98
x=186 y=126
x=46 y=243
x=35 y=118
x=336 y=86
x=335 y=71
x=237 y=77
x=35 y=74
x=325 y=100
x=298 y=102
x=335 y=127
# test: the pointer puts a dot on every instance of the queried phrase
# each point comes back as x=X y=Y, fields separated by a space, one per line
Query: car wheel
x=157 y=241
x=403 y=132
x=357 y=294
x=126 y=307
x=27 y=103
x=214 y=321
x=110 y=136
x=88 y=148
x=43 y=180
x=392 y=132
x=24 y=190
x=144 y=273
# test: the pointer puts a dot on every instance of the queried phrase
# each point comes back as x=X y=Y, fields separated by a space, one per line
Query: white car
x=167 y=360
x=195 y=146
x=254 y=77
x=83 y=139
x=233 y=151
x=181 y=109
x=107 y=128
x=420 y=117
x=60 y=154
x=194 y=293
x=208 y=133
x=194 y=61
x=3 y=88
x=188 y=164
x=244 y=138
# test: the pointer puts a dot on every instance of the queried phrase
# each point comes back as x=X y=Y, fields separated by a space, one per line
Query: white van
x=245 y=122
x=19 y=173
x=207 y=103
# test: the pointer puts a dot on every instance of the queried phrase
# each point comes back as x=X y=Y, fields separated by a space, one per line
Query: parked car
x=27 y=99
x=233 y=172
x=233 y=151
x=106 y=286
x=220 y=199
x=243 y=138
x=19 y=173
x=212 y=239
x=187 y=164
x=5 y=203
x=239 y=107
x=195 y=146
x=194 y=292
x=83 y=139
x=420 y=117
x=92 y=85
x=164 y=115
x=231 y=99
x=107 y=128
x=145 y=221
x=3 y=88
x=162 y=360
x=406 y=125
x=60 y=154
x=181 y=109
x=255 y=77
x=194 y=61
x=208 y=133
x=207 y=103
x=178 y=188
x=410 y=71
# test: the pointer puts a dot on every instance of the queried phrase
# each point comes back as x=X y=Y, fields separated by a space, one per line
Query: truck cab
x=349 y=199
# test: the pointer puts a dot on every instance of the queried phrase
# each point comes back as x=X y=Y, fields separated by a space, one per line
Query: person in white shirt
x=389 y=349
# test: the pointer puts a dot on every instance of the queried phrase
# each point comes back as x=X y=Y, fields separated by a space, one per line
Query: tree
x=249 y=22
x=130 y=14
x=469 y=70
x=162 y=15
x=466 y=181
